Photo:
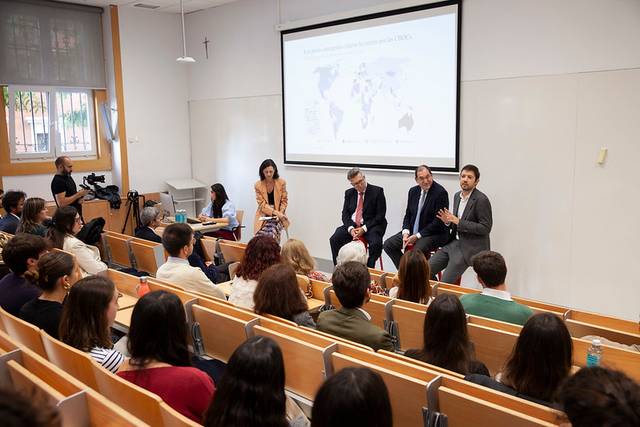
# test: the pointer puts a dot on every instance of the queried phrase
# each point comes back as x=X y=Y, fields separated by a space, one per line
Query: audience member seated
x=87 y=317
x=18 y=410
x=12 y=203
x=150 y=218
x=540 y=361
x=21 y=255
x=278 y=294
x=600 y=397
x=495 y=301
x=251 y=391
x=178 y=241
x=220 y=211
x=34 y=215
x=160 y=360
x=351 y=284
x=352 y=251
x=446 y=341
x=261 y=253
x=66 y=224
x=353 y=397
x=57 y=272
x=412 y=279
x=295 y=253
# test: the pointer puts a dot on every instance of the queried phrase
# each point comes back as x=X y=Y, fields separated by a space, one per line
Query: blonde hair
x=295 y=253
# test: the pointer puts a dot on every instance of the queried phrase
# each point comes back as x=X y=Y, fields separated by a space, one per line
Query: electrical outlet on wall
x=134 y=140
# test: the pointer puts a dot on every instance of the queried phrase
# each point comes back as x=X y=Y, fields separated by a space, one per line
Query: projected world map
x=368 y=85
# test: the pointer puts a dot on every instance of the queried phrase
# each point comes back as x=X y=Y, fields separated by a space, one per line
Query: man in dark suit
x=12 y=202
x=363 y=216
x=150 y=219
x=469 y=226
x=420 y=228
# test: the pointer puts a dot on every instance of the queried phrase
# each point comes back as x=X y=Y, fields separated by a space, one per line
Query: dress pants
x=341 y=237
x=393 y=245
x=450 y=259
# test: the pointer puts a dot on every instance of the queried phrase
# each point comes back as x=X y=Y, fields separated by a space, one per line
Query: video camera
x=93 y=179
x=111 y=193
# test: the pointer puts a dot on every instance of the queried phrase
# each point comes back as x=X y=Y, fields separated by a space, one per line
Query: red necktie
x=359 y=209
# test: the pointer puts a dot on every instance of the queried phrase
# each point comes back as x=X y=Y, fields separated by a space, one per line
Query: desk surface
x=197 y=227
x=126 y=301
x=123 y=318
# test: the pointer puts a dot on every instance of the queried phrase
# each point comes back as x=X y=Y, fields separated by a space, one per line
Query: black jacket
x=374 y=210
x=429 y=225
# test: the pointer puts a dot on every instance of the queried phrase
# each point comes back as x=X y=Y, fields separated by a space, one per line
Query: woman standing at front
x=271 y=197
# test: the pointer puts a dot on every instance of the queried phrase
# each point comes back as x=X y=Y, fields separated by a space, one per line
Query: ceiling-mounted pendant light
x=184 y=57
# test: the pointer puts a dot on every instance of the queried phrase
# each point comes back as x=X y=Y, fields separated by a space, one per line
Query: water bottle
x=594 y=353
x=181 y=216
x=143 y=288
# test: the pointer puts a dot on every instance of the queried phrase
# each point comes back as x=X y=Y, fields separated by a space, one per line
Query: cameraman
x=63 y=187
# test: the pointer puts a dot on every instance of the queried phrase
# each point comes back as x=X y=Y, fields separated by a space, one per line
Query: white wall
x=545 y=85
x=155 y=98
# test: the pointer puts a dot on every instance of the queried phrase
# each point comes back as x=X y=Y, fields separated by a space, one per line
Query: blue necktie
x=416 y=223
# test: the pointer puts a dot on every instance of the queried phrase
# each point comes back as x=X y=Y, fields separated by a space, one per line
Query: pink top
x=187 y=390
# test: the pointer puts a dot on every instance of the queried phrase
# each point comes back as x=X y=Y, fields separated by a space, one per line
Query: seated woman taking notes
x=220 y=211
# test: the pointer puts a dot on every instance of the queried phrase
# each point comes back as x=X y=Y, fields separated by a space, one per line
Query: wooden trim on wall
x=102 y=163
x=117 y=68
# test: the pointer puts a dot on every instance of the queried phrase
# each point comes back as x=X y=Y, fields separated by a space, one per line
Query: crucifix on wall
x=206 y=47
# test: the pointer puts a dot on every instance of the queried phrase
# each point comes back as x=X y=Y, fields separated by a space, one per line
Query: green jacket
x=496 y=308
x=352 y=324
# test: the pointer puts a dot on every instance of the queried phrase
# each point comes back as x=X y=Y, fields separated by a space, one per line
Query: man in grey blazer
x=469 y=227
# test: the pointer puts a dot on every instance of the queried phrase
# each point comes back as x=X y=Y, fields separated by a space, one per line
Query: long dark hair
x=29 y=218
x=261 y=253
x=541 y=358
x=413 y=276
x=278 y=293
x=251 y=391
x=265 y=164
x=352 y=397
x=158 y=331
x=221 y=199
x=63 y=221
x=446 y=340
x=84 y=323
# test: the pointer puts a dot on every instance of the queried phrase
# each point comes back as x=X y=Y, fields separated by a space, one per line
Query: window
x=45 y=123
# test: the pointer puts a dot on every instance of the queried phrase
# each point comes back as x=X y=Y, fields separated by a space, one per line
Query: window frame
x=55 y=140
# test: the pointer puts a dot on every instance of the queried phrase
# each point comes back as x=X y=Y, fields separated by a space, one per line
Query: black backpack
x=110 y=193
x=90 y=233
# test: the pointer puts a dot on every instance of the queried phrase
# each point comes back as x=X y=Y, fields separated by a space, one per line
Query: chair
x=221 y=333
x=237 y=231
x=23 y=332
x=304 y=360
x=230 y=251
x=129 y=396
x=117 y=249
x=148 y=256
x=76 y=363
x=406 y=383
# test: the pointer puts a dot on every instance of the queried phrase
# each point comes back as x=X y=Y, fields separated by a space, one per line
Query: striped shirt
x=108 y=358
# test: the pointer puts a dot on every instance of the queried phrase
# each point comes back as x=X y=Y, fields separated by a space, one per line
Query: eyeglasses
x=358 y=183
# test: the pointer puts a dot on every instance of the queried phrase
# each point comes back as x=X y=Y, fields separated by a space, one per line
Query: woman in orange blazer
x=271 y=195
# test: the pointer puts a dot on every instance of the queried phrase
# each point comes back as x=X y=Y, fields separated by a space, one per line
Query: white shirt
x=353 y=217
x=177 y=271
x=242 y=292
x=367 y=315
x=496 y=293
x=462 y=206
